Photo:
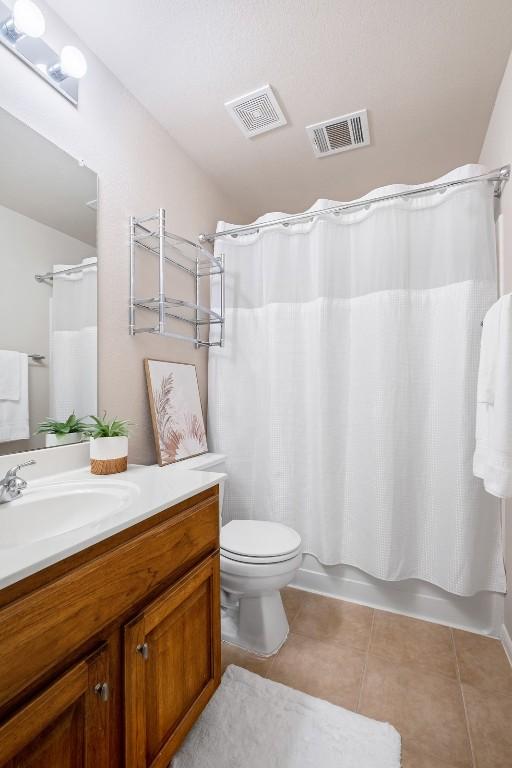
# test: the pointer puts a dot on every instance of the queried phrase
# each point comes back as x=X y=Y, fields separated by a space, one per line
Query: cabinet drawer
x=40 y=630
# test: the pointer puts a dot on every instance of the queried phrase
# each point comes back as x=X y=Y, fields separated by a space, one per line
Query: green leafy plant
x=102 y=427
x=72 y=425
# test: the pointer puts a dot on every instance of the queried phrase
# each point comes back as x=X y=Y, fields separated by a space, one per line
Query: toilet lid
x=258 y=539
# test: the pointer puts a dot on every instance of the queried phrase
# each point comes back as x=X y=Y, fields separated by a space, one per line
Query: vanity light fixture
x=72 y=63
x=21 y=31
x=27 y=20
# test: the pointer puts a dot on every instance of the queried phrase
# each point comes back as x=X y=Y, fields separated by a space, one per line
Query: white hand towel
x=14 y=414
x=492 y=460
x=9 y=375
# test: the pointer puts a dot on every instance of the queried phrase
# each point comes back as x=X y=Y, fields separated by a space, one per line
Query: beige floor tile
x=483 y=663
x=233 y=655
x=292 y=600
x=329 y=672
x=424 y=707
x=334 y=621
x=412 y=757
x=411 y=641
x=490 y=723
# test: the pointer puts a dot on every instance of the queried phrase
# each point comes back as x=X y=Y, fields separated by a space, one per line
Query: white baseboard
x=506 y=641
x=482 y=613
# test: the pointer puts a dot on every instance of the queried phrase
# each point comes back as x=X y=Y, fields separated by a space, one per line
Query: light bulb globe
x=28 y=19
x=72 y=62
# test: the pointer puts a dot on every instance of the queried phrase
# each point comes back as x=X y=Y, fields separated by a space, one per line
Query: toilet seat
x=259 y=542
x=258 y=572
x=257 y=560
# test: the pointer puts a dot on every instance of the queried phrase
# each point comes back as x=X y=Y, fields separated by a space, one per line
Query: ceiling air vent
x=339 y=134
x=256 y=112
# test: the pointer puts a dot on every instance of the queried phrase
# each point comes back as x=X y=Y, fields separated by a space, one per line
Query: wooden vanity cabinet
x=107 y=658
x=171 y=658
x=65 y=726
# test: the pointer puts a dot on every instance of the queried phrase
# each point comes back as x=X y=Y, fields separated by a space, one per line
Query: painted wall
x=27 y=248
x=496 y=151
x=140 y=169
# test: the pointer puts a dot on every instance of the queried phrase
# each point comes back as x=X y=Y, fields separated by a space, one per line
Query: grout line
x=459 y=680
x=388 y=609
x=332 y=643
x=274 y=657
x=294 y=617
x=365 y=665
x=271 y=665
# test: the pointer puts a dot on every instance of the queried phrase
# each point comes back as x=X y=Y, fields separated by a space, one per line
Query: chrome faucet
x=12 y=486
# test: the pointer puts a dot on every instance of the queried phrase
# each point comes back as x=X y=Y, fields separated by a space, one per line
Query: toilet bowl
x=257 y=559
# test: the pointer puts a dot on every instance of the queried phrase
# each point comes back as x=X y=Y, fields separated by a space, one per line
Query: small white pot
x=52 y=440
x=107 y=448
x=109 y=455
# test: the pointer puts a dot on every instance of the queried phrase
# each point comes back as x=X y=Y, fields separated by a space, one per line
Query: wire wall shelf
x=149 y=235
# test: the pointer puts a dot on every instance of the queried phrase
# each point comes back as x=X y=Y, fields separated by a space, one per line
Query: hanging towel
x=9 y=375
x=14 y=414
x=492 y=460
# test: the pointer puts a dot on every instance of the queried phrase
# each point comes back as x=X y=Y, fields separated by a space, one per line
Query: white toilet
x=257 y=559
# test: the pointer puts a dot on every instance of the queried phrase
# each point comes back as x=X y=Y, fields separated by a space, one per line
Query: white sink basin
x=51 y=510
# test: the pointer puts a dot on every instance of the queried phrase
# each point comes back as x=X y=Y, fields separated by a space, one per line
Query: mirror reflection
x=48 y=315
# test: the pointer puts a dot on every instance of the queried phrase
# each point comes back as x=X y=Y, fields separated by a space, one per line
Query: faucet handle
x=11 y=485
x=12 y=472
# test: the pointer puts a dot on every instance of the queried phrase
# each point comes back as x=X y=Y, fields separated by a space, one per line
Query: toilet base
x=257 y=624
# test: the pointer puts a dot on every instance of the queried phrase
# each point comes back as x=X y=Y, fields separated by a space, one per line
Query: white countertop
x=154 y=489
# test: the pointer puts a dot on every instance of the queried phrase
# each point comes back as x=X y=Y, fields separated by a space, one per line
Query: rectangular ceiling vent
x=339 y=134
x=256 y=112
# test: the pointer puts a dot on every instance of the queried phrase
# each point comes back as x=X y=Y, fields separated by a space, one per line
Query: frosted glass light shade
x=28 y=19
x=72 y=62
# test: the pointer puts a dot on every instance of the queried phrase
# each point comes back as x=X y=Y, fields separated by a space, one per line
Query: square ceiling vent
x=256 y=112
x=339 y=134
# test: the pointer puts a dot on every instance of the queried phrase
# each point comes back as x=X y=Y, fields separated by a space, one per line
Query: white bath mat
x=256 y=723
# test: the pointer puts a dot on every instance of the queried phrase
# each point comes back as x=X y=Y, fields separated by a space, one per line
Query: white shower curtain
x=344 y=397
x=73 y=342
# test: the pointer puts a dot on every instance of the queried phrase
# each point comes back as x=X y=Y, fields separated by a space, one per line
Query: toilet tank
x=208 y=462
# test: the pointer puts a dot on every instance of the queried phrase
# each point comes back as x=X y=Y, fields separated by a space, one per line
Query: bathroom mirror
x=48 y=288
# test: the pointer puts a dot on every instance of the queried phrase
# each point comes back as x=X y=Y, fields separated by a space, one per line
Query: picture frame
x=176 y=412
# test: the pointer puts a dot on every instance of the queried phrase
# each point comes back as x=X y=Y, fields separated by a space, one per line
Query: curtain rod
x=48 y=276
x=499 y=176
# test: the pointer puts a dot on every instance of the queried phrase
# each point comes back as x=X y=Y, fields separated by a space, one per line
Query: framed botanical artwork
x=178 y=423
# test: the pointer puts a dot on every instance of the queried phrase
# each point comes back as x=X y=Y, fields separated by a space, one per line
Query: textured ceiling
x=427 y=71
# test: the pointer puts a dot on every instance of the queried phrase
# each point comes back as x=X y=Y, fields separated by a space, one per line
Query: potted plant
x=109 y=445
x=73 y=430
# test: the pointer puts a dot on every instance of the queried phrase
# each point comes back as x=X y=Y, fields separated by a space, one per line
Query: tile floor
x=448 y=692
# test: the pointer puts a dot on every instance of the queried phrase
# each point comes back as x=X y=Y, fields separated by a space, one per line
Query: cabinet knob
x=143 y=649
x=102 y=690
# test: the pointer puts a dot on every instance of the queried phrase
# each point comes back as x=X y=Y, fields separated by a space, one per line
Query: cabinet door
x=172 y=666
x=66 y=726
